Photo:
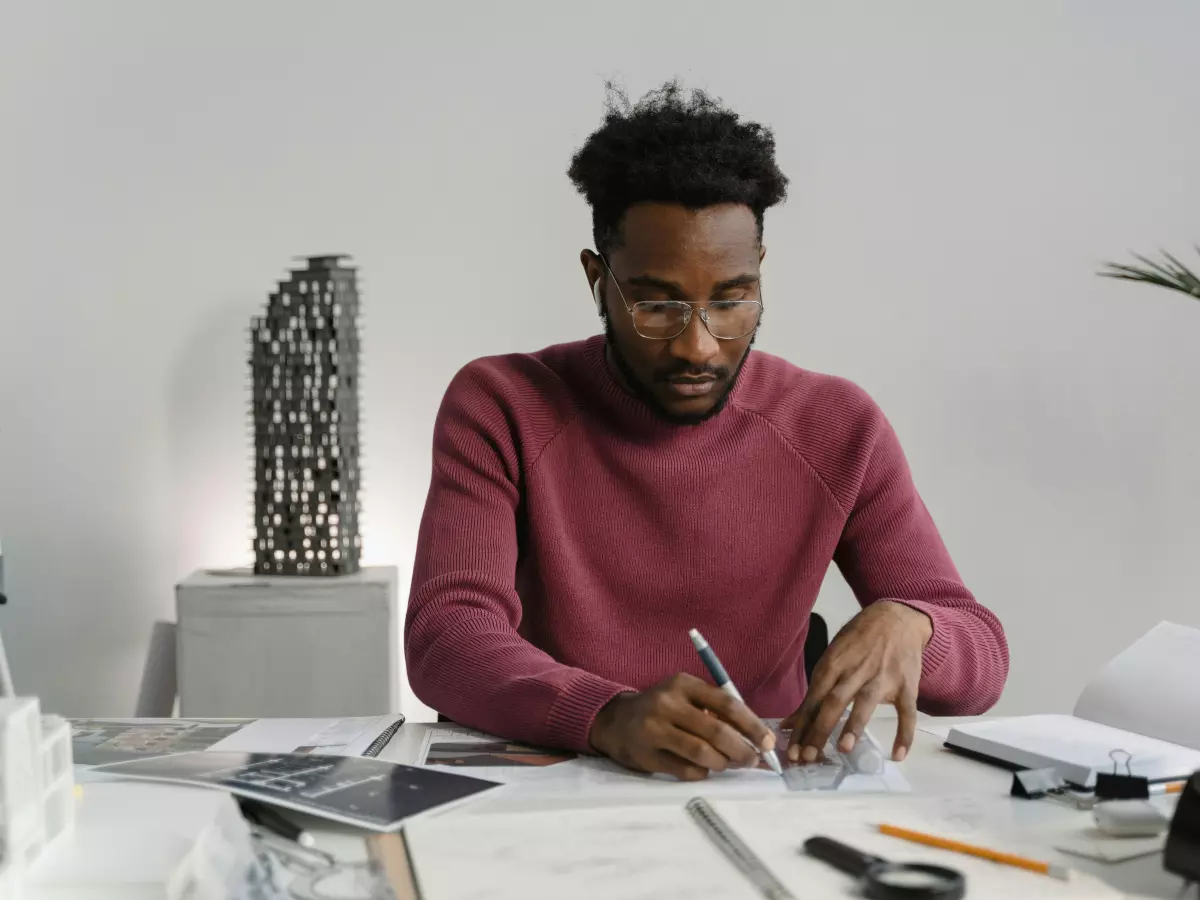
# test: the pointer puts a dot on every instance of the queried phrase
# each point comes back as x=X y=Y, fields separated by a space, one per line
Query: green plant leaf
x=1173 y=274
x=1182 y=273
x=1162 y=270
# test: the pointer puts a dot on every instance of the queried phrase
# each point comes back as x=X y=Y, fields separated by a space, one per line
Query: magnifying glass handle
x=840 y=856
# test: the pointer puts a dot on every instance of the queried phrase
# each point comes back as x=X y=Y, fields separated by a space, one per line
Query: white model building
x=37 y=786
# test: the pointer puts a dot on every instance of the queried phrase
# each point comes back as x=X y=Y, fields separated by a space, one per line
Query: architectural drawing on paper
x=96 y=742
x=305 y=368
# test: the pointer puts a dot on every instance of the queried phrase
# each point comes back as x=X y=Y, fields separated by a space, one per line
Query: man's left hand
x=875 y=658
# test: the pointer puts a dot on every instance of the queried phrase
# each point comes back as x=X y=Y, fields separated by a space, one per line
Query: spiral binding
x=380 y=742
x=735 y=849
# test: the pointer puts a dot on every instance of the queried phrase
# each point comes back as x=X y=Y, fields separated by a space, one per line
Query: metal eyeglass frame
x=687 y=317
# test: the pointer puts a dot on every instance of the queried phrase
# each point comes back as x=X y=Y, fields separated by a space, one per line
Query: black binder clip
x=1034 y=784
x=1115 y=786
x=1048 y=784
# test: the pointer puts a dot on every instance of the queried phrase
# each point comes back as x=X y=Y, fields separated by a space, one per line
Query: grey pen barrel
x=715 y=669
x=725 y=683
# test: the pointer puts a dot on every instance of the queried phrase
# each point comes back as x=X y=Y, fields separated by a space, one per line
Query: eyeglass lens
x=728 y=319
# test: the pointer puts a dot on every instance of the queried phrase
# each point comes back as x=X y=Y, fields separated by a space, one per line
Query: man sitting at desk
x=592 y=502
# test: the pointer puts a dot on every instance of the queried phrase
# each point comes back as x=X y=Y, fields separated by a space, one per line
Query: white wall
x=959 y=171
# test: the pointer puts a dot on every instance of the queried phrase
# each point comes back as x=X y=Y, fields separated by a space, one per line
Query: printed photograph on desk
x=462 y=748
x=360 y=791
x=95 y=742
x=459 y=755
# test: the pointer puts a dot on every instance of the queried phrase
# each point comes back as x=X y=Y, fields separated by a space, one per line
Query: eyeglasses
x=662 y=320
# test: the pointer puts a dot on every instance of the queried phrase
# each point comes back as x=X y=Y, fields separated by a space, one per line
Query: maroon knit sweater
x=571 y=538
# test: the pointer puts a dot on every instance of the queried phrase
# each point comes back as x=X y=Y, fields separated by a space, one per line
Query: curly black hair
x=673 y=147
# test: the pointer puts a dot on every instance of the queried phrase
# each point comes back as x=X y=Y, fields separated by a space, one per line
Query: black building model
x=304 y=362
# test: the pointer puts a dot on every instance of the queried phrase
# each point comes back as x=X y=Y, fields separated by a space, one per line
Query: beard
x=647 y=396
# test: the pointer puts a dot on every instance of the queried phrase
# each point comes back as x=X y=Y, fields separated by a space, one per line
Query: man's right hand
x=682 y=726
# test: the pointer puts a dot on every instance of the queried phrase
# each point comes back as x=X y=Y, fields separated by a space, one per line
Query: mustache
x=683 y=369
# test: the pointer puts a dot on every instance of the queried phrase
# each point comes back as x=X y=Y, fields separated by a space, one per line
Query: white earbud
x=599 y=299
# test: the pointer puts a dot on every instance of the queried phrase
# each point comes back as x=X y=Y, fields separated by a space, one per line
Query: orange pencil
x=1008 y=859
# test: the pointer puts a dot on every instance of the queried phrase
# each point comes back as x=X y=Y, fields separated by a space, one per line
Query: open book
x=662 y=851
x=1141 y=710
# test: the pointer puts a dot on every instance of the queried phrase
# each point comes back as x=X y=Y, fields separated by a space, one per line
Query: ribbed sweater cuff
x=569 y=723
x=938 y=647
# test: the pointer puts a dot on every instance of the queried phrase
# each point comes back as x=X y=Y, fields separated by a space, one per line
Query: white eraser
x=1129 y=818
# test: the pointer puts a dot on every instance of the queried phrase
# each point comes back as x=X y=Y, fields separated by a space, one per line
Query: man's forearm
x=470 y=665
x=965 y=663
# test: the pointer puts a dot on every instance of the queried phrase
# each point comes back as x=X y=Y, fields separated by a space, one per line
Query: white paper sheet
x=1091 y=843
x=606 y=853
x=615 y=779
x=590 y=775
x=1150 y=688
x=328 y=737
x=643 y=852
x=937 y=729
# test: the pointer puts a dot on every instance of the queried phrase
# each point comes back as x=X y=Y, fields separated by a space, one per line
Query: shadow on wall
x=80 y=656
x=210 y=443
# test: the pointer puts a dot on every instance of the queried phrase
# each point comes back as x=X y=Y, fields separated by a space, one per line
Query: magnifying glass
x=883 y=880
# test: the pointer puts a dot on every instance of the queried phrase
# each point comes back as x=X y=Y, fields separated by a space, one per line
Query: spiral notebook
x=346 y=736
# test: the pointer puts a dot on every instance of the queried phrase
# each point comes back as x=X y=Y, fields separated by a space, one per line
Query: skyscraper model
x=304 y=362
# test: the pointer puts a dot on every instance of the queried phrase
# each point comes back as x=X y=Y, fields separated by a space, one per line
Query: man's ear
x=762 y=254
x=593 y=269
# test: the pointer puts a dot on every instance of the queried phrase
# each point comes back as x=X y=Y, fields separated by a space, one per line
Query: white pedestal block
x=255 y=646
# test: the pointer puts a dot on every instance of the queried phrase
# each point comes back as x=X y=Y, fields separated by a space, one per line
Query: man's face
x=700 y=257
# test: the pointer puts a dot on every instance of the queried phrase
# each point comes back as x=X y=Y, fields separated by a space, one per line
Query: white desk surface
x=930 y=769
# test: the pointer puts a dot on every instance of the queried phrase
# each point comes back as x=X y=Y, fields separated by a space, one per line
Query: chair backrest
x=814 y=645
x=160 y=687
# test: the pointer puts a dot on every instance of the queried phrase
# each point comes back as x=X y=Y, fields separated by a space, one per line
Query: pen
x=721 y=677
x=266 y=817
